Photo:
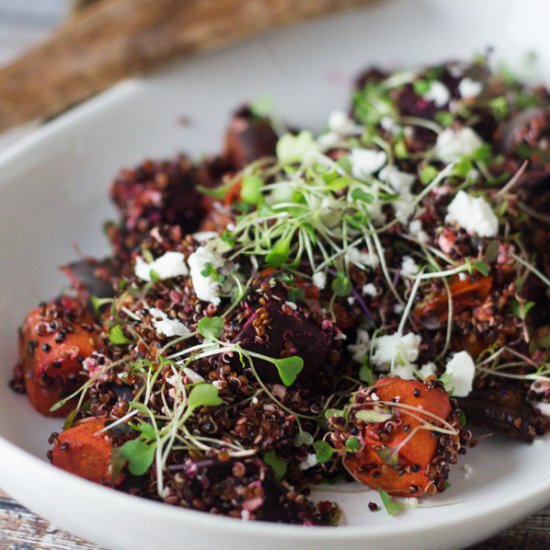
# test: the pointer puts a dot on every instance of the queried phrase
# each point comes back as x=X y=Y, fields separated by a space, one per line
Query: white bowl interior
x=54 y=200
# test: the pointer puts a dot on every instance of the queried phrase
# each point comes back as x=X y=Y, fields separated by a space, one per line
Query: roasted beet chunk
x=407 y=435
x=90 y=277
x=280 y=329
x=82 y=451
x=54 y=340
x=248 y=138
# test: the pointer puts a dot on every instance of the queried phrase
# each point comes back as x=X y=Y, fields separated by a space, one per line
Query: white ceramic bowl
x=54 y=197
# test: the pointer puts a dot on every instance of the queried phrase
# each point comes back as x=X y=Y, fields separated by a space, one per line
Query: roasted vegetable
x=54 y=340
x=82 y=451
x=409 y=434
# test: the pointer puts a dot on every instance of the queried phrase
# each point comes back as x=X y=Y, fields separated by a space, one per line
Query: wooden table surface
x=22 y=22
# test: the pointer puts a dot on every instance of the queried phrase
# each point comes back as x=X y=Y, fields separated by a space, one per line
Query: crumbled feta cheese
x=203 y=236
x=170 y=264
x=468 y=471
x=453 y=144
x=291 y=305
x=328 y=140
x=361 y=347
x=387 y=123
x=401 y=182
x=408 y=267
x=365 y=162
x=164 y=325
x=309 y=462
x=369 y=290
x=340 y=336
x=395 y=348
x=473 y=214
x=206 y=288
x=462 y=276
x=362 y=259
x=300 y=148
x=398 y=308
x=438 y=93
x=469 y=88
x=413 y=501
x=404 y=208
x=415 y=228
x=462 y=370
x=427 y=369
x=406 y=372
x=320 y=279
x=351 y=300
x=338 y=121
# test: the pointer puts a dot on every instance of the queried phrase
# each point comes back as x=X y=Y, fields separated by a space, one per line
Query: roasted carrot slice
x=82 y=451
x=466 y=293
x=54 y=340
x=400 y=437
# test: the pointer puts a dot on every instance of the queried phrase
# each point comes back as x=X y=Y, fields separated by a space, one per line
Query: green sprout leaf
x=302 y=438
x=366 y=373
x=373 y=416
x=117 y=337
x=482 y=267
x=271 y=458
x=360 y=195
x=251 y=190
x=98 y=303
x=391 y=506
x=203 y=395
x=278 y=254
x=428 y=174
x=145 y=429
x=341 y=285
x=333 y=412
x=491 y=252
x=211 y=328
x=389 y=456
x=353 y=445
x=140 y=456
x=289 y=368
x=323 y=451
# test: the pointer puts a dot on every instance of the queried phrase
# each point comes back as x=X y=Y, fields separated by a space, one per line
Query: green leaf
x=482 y=267
x=302 y=438
x=421 y=87
x=251 y=190
x=366 y=373
x=271 y=458
x=278 y=254
x=341 y=285
x=333 y=412
x=98 y=303
x=211 y=328
x=400 y=149
x=448 y=381
x=289 y=368
x=428 y=174
x=203 y=395
x=360 y=195
x=389 y=456
x=373 y=416
x=353 y=445
x=145 y=429
x=117 y=337
x=390 y=505
x=521 y=309
x=444 y=118
x=140 y=456
x=323 y=451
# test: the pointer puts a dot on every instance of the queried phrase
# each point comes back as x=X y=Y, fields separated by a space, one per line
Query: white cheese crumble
x=170 y=264
x=461 y=369
x=404 y=208
x=164 y=325
x=387 y=123
x=362 y=259
x=408 y=267
x=438 y=93
x=401 y=182
x=416 y=231
x=406 y=372
x=300 y=148
x=452 y=145
x=473 y=214
x=339 y=122
x=395 y=348
x=361 y=346
x=206 y=288
x=309 y=462
x=291 y=305
x=427 y=369
x=541 y=388
x=320 y=279
x=468 y=471
x=369 y=290
x=193 y=376
x=469 y=88
x=203 y=236
x=365 y=162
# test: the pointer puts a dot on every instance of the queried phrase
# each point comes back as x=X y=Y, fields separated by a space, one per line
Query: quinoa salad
x=306 y=308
